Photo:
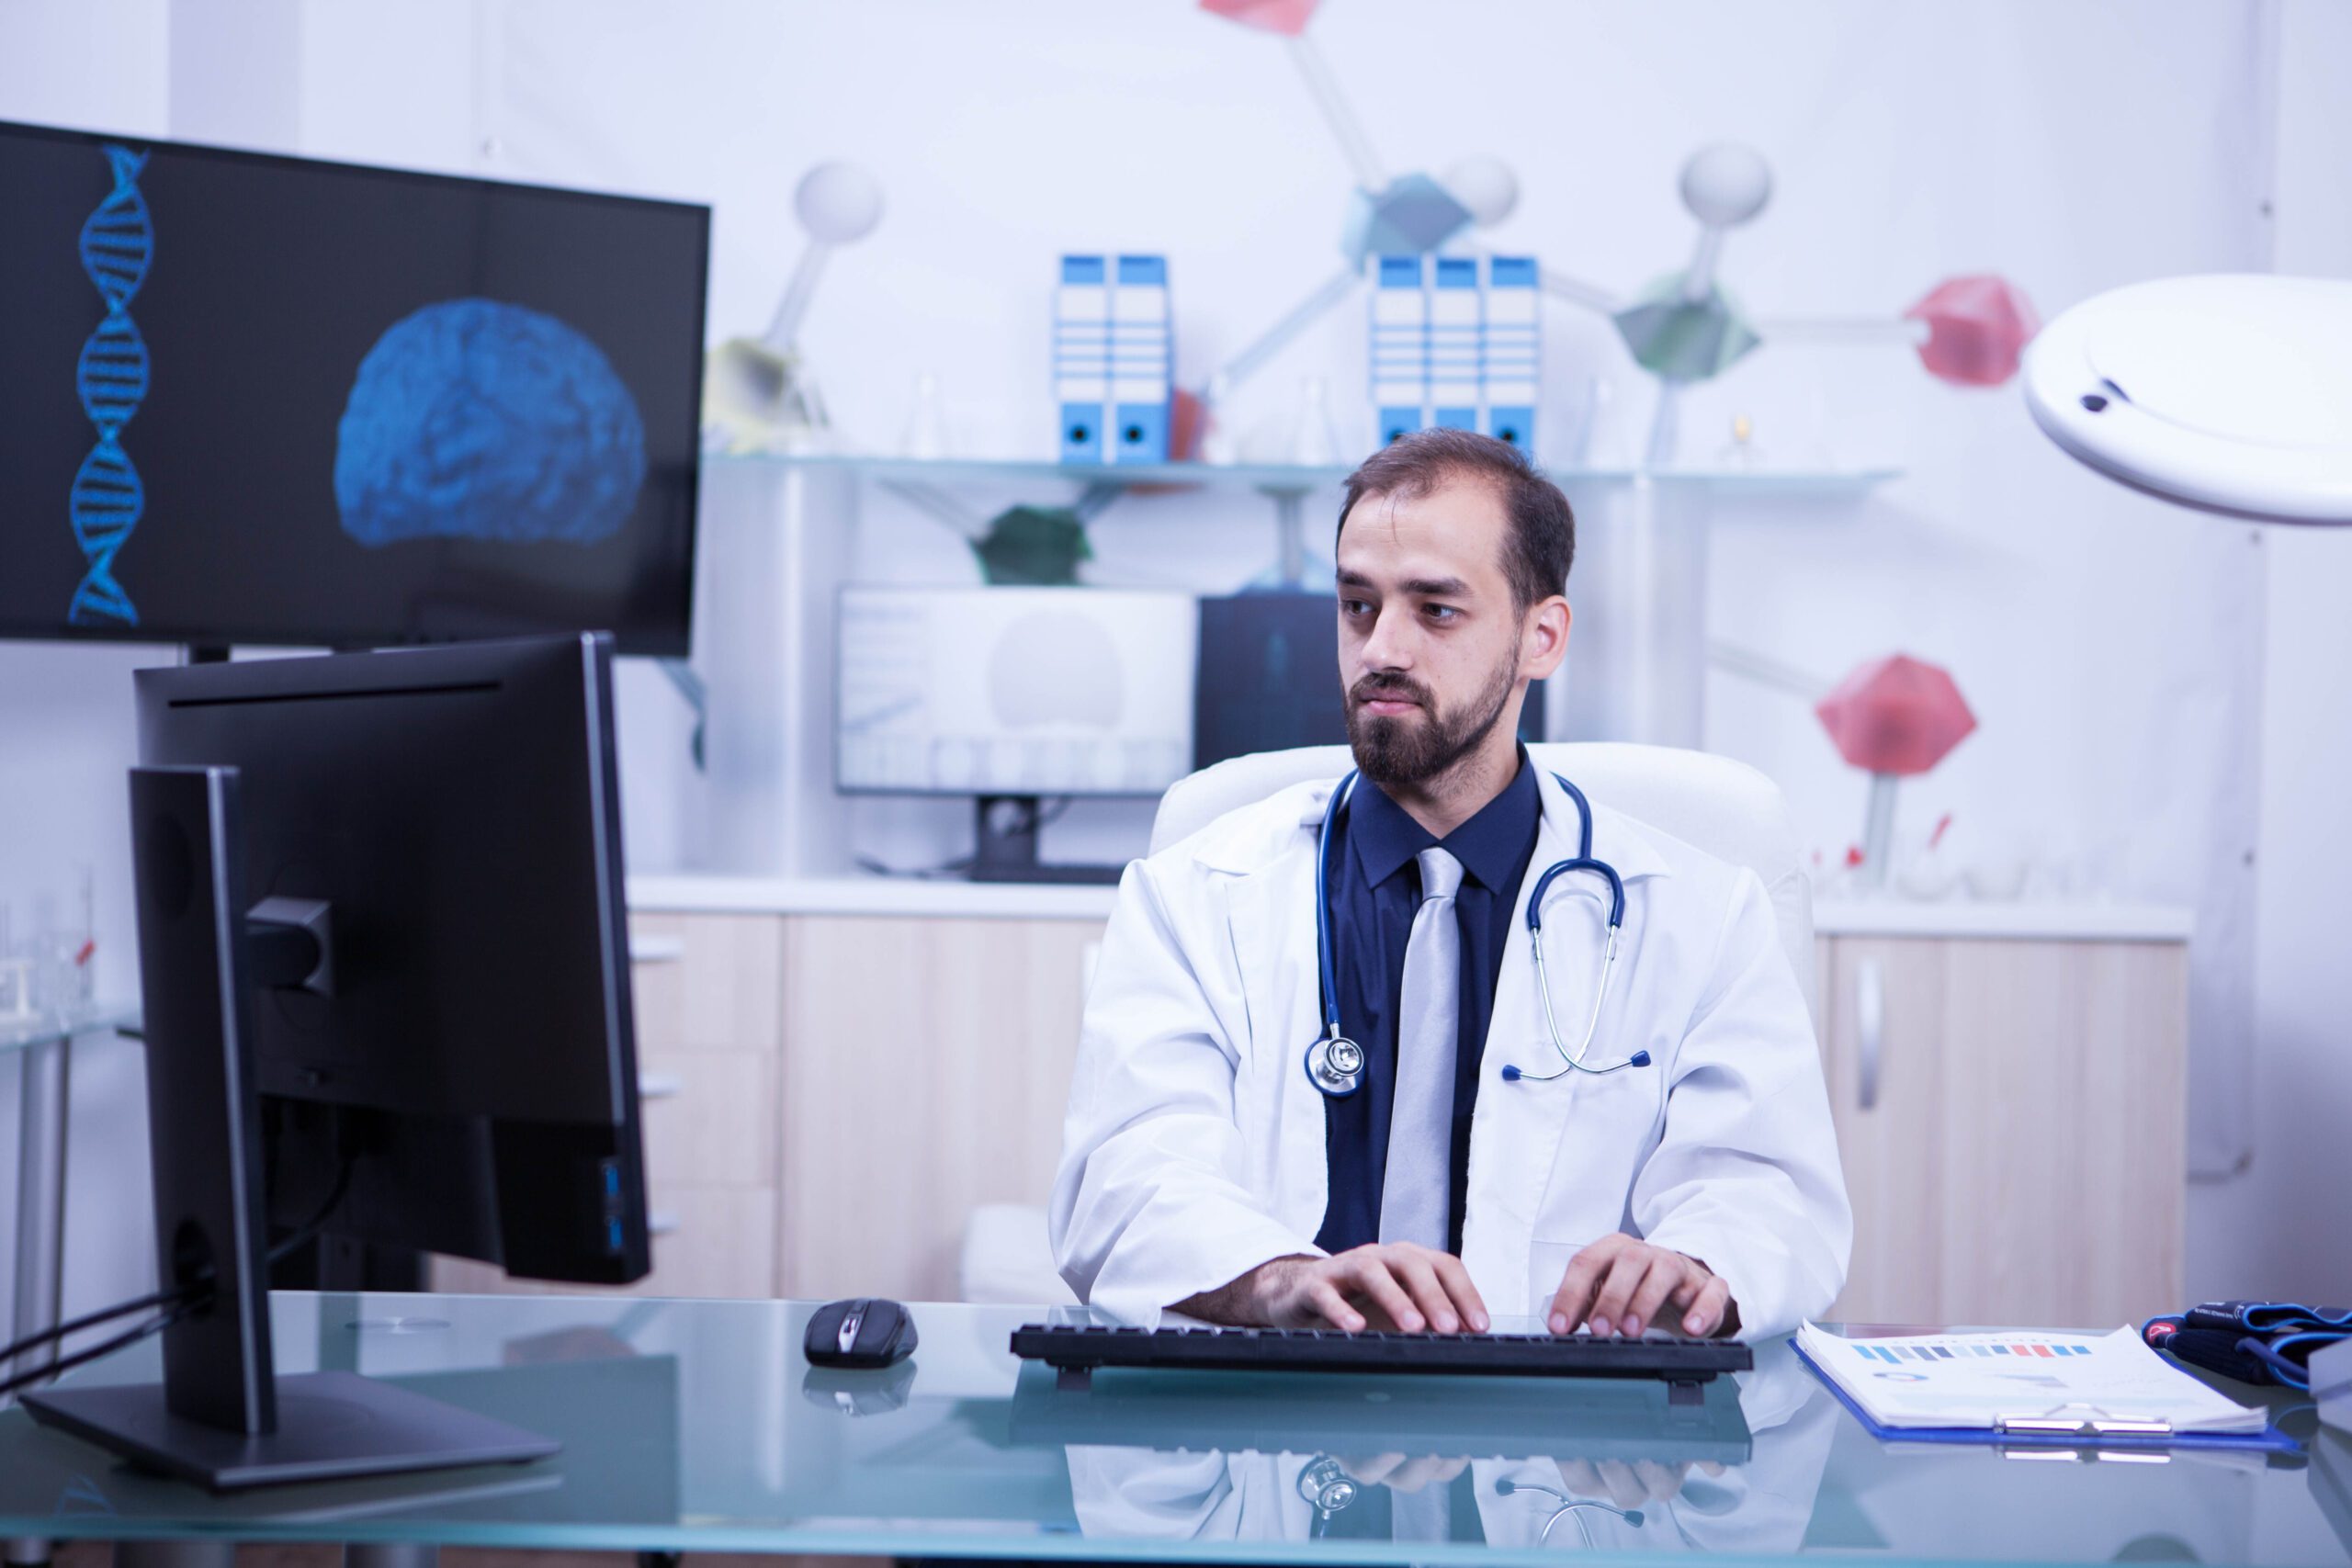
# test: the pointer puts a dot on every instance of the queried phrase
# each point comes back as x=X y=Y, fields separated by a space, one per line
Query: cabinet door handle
x=1869 y=1025
x=656 y=949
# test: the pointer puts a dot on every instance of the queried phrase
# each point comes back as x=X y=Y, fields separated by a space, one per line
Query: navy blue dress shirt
x=1376 y=887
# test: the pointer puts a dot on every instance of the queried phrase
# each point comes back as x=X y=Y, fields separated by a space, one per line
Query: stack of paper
x=2035 y=1383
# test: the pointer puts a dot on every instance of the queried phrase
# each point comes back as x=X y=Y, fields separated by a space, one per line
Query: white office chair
x=1725 y=807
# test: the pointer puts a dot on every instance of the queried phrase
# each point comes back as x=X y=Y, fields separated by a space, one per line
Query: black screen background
x=271 y=279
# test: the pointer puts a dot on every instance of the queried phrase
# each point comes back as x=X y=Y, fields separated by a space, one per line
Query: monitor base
x=1089 y=876
x=1004 y=845
x=331 y=1425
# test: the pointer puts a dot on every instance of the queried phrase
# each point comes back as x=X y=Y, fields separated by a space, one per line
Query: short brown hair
x=1542 y=541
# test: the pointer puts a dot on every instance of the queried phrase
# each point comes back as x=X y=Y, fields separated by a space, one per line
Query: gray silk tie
x=1416 y=1190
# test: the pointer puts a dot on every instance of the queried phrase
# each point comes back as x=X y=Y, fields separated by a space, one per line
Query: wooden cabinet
x=829 y=1095
x=709 y=992
x=2012 y=1115
x=927 y=1066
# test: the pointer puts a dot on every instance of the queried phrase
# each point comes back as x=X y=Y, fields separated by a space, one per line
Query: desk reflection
x=1620 y=1472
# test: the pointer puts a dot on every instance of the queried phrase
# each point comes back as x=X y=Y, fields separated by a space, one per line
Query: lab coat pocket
x=1607 y=1125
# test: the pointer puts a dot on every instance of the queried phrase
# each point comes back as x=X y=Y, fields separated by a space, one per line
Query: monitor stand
x=220 y=1416
x=1005 y=846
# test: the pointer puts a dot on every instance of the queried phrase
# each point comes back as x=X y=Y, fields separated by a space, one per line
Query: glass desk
x=696 y=1425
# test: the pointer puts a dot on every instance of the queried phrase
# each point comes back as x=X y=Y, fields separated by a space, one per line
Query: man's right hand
x=1386 y=1285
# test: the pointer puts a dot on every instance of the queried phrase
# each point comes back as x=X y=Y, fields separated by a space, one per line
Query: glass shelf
x=1019 y=470
x=1281 y=477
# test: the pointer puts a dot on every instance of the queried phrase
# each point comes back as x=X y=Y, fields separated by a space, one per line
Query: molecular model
x=1681 y=330
x=757 y=393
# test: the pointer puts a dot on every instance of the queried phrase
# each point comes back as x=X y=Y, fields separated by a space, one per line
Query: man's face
x=1432 y=647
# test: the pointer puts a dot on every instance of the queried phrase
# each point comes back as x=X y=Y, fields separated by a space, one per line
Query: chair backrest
x=1725 y=807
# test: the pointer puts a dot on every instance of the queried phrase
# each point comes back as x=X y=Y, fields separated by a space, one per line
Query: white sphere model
x=1486 y=185
x=1726 y=183
x=838 y=203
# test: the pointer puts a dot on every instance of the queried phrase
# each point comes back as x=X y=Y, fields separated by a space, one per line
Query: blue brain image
x=473 y=419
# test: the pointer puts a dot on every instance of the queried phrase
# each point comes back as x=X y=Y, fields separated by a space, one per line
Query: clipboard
x=2039 y=1433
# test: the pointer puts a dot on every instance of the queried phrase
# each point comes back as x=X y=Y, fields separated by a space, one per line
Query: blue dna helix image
x=118 y=244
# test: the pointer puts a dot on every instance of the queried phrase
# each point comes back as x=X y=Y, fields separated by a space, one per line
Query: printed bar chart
x=1899 y=1351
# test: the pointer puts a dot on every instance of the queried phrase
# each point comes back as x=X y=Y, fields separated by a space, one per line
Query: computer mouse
x=862 y=1333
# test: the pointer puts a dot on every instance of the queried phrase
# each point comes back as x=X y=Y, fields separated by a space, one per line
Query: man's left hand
x=1623 y=1284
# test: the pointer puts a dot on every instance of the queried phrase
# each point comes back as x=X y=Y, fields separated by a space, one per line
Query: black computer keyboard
x=1081 y=1348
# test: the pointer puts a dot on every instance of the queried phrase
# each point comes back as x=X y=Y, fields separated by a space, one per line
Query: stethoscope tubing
x=1336 y=1083
x=1568 y=1505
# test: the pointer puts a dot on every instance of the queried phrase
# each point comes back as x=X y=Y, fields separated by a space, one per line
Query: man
x=1697 y=1189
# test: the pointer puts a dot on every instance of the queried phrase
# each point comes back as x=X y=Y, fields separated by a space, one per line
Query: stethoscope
x=1329 y=1489
x=1335 y=1062
x=1505 y=1486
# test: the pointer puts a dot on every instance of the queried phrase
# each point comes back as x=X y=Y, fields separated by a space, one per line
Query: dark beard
x=1406 y=752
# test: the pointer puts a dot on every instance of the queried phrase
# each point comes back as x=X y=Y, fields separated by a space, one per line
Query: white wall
x=2280 y=1229
x=2108 y=644
x=65 y=735
x=2111 y=646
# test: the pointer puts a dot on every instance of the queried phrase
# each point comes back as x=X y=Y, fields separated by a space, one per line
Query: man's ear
x=1543 y=640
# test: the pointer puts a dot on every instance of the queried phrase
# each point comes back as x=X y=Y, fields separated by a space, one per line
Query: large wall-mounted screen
x=247 y=399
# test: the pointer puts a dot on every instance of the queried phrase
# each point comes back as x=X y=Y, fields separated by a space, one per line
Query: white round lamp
x=2231 y=392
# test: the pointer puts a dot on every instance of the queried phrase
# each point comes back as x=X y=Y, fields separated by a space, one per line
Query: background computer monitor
x=1270 y=677
x=275 y=400
x=1014 y=690
x=1012 y=696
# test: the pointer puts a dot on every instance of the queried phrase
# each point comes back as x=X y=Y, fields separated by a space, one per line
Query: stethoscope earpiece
x=1505 y=1486
x=1335 y=1062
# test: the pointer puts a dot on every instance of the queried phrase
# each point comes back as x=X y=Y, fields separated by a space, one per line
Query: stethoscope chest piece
x=1334 y=1064
x=1328 y=1486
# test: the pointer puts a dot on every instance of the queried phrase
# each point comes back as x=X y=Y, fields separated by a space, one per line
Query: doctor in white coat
x=1700 y=1192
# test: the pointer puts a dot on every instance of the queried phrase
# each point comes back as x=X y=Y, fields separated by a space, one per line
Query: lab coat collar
x=1492 y=846
x=1242 y=843
x=1616 y=838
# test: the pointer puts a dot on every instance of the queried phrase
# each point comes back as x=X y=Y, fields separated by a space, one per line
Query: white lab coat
x=1193 y=1147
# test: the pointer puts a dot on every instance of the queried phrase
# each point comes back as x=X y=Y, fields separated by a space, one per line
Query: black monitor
x=384 y=960
x=264 y=400
x=1270 y=676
